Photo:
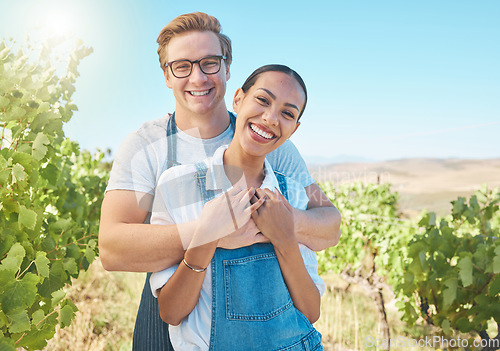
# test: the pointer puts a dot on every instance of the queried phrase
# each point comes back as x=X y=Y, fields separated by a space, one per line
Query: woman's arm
x=274 y=219
x=178 y=297
x=218 y=218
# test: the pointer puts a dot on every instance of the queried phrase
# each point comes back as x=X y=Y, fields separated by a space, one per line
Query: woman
x=264 y=296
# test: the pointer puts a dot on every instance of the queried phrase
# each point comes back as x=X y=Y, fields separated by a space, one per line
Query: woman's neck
x=236 y=162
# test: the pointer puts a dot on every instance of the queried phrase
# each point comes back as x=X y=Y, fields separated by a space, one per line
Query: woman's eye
x=289 y=114
x=262 y=100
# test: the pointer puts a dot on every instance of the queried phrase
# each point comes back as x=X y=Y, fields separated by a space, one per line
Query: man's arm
x=318 y=227
x=127 y=244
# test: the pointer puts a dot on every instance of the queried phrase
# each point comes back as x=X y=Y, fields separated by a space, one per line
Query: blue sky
x=386 y=79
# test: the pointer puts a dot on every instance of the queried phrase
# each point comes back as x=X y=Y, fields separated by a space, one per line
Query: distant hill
x=423 y=183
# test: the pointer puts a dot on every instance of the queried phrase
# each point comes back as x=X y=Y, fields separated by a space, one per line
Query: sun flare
x=57 y=23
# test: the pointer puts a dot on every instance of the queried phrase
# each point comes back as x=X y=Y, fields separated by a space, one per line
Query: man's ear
x=238 y=97
x=167 y=77
x=228 y=73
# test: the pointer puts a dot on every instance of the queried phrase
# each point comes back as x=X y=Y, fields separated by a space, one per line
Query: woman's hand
x=247 y=235
x=274 y=217
x=224 y=215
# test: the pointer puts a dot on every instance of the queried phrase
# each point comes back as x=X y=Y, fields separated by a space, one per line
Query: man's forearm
x=318 y=228
x=133 y=247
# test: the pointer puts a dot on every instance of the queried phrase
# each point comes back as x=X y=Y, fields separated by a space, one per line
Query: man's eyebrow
x=274 y=97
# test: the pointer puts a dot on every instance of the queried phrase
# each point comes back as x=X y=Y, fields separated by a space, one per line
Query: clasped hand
x=242 y=217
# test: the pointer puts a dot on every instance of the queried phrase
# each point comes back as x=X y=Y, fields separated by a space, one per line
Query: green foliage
x=50 y=195
x=373 y=237
x=452 y=278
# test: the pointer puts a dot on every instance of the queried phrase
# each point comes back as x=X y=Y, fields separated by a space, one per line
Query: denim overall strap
x=251 y=306
x=150 y=332
x=172 y=142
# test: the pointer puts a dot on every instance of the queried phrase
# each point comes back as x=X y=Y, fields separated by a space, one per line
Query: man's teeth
x=260 y=132
x=199 y=93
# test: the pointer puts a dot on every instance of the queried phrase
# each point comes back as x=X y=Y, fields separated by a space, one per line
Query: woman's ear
x=238 y=97
x=296 y=126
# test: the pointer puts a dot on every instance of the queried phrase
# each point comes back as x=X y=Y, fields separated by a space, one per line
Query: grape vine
x=50 y=194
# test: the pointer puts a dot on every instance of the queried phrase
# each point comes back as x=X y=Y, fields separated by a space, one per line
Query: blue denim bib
x=251 y=306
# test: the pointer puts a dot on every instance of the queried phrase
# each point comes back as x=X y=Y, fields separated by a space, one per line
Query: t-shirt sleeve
x=159 y=279
x=133 y=167
x=287 y=160
x=311 y=263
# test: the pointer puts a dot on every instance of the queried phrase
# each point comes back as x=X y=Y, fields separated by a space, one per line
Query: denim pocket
x=254 y=288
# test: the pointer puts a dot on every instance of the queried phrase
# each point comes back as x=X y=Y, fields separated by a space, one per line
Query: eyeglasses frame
x=169 y=64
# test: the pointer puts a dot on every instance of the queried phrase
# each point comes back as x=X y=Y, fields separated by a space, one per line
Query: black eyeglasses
x=208 y=65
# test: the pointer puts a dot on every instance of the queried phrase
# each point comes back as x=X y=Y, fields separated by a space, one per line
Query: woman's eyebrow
x=274 y=98
x=292 y=106
x=269 y=92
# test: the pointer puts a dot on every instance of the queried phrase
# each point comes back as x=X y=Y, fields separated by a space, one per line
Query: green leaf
x=494 y=286
x=18 y=173
x=14 y=258
x=66 y=316
x=15 y=113
x=450 y=293
x=37 y=317
x=7 y=344
x=27 y=218
x=90 y=251
x=446 y=326
x=465 y=270
x=37 y=339
x=19 y=294
x=496 y=260
x=19 y=321
x=39 y=148
x=56 y=280
x=42 y=264
x=4 y=101
x=57 y=296
x=70 y=266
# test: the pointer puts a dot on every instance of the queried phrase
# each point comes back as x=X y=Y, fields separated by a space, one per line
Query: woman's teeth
x=260 y=132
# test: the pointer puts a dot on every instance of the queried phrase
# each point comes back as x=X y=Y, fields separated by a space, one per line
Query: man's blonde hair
x=196 y=21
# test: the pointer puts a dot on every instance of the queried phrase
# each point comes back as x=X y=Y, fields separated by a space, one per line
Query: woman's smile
x=262 y=132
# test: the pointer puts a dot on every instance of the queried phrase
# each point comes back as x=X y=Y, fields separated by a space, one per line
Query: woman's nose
x=271 y=117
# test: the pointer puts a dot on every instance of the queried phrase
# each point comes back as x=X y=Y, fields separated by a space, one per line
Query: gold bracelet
x=198 y=270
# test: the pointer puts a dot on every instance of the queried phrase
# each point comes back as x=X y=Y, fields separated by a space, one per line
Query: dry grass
x=107 y=304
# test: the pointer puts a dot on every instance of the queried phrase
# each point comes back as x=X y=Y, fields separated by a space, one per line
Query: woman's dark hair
x=276 y=68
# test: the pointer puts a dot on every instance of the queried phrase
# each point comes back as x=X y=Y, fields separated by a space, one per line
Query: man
x=195 y=58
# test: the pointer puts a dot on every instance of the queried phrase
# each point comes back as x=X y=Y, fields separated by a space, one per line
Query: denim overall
x=251 y=306
x=150 y=332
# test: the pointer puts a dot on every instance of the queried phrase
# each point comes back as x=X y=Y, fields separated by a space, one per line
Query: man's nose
x=197 y=74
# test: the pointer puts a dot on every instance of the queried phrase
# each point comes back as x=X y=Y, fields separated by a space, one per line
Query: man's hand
x=247 y=235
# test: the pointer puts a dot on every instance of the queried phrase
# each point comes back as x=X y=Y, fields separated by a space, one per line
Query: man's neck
x=205 y=126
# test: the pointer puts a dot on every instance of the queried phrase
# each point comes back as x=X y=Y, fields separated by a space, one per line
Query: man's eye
x=209 y=63
x=182 y=67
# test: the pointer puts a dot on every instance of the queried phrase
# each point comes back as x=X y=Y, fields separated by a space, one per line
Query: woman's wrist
x=200 y=256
